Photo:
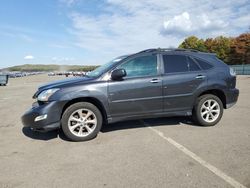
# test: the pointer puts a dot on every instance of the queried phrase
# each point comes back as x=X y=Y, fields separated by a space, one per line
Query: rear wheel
x=81 y=121
x=208 y=110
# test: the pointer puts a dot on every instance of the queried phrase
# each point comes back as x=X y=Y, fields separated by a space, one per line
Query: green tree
x=209 y=42
x=222 y=47
x=230 y=50
x=240 y=49
x=219 y=45
x=193 y=42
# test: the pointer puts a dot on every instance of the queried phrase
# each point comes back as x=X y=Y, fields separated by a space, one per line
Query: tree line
x=232 y=50
x=51 y=67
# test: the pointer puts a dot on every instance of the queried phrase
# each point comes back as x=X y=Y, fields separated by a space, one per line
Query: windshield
x=102 y=69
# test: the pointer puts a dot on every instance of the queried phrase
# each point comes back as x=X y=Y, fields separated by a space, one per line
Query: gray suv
x=148 y=84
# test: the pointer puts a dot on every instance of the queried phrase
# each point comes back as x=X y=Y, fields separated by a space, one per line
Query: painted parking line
x=6 y=98
x=10 y=98
x=20 y=86
x=204 y=163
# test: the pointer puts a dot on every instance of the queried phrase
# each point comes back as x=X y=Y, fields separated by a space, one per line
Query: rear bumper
x=232 y=97
x=51 y=113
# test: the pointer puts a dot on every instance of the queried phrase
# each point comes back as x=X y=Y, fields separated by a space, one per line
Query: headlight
x=44 y=95
x=232 y=72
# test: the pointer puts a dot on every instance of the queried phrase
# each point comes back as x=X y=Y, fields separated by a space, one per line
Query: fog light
x=42 y=117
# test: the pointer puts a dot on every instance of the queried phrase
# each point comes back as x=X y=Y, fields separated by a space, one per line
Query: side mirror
x=118 y=74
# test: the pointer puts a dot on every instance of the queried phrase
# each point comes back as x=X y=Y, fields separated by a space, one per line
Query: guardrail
x=241 y=69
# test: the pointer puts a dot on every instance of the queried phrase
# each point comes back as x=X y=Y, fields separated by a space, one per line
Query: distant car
x=11 y=75
x=15 y=74
x=78 y=73
x=18 y=74
x=51 y=74
x=148 y=84
x=4 y=79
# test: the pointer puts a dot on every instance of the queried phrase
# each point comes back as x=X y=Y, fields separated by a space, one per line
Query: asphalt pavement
x=162 y=152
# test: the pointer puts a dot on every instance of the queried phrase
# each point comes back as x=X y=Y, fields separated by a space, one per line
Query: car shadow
x=165 y=121
x=170 y=121
x=45 y=136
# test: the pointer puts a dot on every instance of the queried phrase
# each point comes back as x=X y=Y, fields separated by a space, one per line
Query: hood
x=62 y=83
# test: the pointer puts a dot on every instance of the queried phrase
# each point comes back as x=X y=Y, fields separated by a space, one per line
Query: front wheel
x=81 y=121
x=208 y=110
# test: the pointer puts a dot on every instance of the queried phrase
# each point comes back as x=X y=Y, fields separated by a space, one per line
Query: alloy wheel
x=82 y=122
x=210 y=110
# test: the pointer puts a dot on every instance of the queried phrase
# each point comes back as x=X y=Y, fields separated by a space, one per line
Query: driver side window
x=140 y=66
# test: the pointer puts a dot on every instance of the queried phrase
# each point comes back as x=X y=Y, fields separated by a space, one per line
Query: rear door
x=182 y=77
x=140 y=92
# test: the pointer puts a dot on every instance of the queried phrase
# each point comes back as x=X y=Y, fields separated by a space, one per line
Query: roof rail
x=167 y=49
x=148 y=50
x=183 y=49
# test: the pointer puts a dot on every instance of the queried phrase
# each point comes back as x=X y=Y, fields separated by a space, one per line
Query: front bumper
x=52 y=111
x=232 y=97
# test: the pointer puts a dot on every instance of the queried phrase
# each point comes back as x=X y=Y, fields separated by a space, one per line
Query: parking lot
x=163 y=152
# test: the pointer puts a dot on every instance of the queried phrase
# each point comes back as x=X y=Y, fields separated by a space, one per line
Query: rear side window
x=204 y=65
x=192 y=65
x=175 y=63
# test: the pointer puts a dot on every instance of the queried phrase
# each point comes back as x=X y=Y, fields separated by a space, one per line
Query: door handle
x=200 y=77
x=155 y=80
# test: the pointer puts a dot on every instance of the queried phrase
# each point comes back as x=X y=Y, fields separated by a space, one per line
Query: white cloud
x=184 y=24
x=180 y=23
x=128 y=26
x=68 y=2
x=28 y=57
x=61 y=46
x=118 y=34
x=26 y=38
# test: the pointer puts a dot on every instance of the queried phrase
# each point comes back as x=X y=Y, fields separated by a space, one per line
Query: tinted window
x=204 y=65
x=141 y=66
x=192 y=65
x=175 y=63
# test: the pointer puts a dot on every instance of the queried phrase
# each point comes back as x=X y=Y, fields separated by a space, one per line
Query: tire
x=208 y=110
x=81 y=121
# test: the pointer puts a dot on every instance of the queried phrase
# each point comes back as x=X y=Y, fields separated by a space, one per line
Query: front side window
x=141 y=66
x=175 y=63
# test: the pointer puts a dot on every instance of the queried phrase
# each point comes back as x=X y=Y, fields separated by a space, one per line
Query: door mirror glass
x=118 y=74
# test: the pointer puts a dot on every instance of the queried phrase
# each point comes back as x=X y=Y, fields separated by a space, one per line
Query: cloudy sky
x=95 y=31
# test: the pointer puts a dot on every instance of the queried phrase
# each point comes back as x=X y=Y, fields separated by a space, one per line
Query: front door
x=140 y=92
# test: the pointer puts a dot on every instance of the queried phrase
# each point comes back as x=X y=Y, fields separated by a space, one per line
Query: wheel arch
x=91 y=100
x=217 y=92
